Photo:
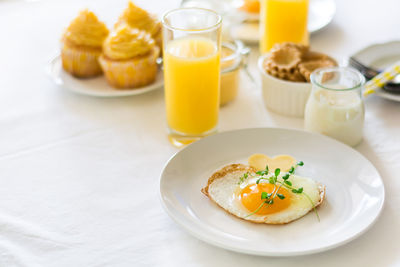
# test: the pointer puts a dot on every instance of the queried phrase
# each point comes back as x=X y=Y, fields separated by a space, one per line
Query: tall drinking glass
x=283 y=21
x=191 y=46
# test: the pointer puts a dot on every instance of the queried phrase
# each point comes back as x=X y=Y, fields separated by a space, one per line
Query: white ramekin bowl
x=283 y=97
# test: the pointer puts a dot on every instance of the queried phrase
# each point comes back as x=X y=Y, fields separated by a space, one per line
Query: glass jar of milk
x=335 y=107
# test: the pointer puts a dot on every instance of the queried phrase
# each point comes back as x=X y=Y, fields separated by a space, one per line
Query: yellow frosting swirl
x=136 y=17
x=87 y=30
x=126 y=43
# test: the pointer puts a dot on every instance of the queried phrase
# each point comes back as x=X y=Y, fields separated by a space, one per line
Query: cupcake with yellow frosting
x=129 y=58
x=82 y=44
x=139 y=18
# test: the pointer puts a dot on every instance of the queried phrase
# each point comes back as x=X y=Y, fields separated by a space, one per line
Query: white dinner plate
x=380 y=56
x=355 y=192
x=97 y=86
x=320 y=14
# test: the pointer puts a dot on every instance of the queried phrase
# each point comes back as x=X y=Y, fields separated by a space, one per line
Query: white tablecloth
x=79 y=175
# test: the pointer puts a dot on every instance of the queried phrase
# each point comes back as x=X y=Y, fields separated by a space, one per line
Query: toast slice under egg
x=223 y=186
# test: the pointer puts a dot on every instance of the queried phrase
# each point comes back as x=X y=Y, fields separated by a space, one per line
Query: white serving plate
x=380 y=56
x=320 y=14
x=355 y=192
x=97 y=86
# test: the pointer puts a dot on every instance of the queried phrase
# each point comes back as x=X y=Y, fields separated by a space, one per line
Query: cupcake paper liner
x=81 y=62
x=132 y=73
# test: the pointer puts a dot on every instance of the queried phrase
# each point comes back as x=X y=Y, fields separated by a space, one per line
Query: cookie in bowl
x=285 y=74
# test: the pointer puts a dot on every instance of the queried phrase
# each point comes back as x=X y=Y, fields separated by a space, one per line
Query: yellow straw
x=379 y=80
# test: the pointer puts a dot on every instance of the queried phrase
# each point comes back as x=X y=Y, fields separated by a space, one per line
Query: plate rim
x=386 y=95
x=380 y=93
x=56 y=78
x=207 y=240
x=362 y=50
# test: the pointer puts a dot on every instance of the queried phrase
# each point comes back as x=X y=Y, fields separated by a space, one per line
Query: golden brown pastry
x=129 y=58
x=139 y=18
x=295 y=62
x=82 y=43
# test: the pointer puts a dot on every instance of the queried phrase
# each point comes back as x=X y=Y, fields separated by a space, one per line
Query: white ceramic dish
x=283 y=97
x=380 y=56
x=95 y=86
x=321 y=13
x=355 y=192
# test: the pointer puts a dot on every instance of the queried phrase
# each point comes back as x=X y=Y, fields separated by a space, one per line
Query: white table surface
x=79 y=175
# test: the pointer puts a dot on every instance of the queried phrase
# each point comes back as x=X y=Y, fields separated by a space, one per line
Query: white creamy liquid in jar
x=338 y=114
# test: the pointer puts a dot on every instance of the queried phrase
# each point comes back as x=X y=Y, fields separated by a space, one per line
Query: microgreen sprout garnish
x=281 y=196
x=298 y=190
x=265 y=195
x=289 y=183
x=257 y=209
x=272 y=178
x=263 y=172
x=243 y=177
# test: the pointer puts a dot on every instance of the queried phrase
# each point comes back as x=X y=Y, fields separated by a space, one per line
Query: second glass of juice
x=191 y=43
x=283 y=21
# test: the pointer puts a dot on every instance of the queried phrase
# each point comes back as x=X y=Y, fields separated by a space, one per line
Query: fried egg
x=243 y=198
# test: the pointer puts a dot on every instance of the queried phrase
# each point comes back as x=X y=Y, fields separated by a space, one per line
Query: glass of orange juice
x=283 y=21
x=191 y=51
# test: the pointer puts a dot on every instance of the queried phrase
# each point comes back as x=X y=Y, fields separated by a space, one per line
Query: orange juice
x=250 y=6
x=283 y=21
x=192 y=77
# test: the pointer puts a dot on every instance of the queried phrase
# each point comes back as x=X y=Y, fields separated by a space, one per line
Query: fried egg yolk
x=250 y=197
